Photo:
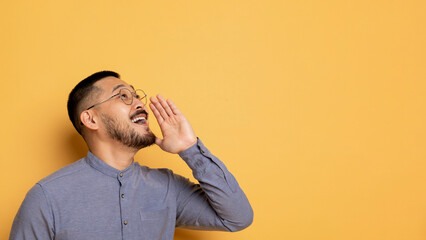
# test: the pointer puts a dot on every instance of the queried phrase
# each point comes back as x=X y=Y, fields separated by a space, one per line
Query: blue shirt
x=91 y=200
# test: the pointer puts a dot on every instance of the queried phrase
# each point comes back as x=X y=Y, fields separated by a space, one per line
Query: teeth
x=137 y=119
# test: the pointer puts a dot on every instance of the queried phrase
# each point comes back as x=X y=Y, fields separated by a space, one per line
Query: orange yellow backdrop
x=317 y=107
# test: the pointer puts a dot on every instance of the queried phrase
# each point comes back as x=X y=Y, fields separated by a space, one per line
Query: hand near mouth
x=178 y=134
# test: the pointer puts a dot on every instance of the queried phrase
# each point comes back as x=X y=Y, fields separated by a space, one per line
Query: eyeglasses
x=126 y=96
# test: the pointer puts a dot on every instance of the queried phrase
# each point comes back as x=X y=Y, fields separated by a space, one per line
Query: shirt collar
x=106 y=169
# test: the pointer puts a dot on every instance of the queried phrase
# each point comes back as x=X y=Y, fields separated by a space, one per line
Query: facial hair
x=125 y=134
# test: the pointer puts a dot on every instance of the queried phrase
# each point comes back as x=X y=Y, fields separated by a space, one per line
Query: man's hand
x=177 y=132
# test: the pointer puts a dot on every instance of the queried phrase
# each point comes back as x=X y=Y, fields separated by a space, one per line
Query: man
x=107 y=195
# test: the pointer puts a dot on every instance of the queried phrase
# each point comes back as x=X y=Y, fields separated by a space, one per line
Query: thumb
x=158 y=141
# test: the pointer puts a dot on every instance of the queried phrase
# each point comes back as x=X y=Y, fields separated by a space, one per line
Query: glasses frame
x=119 y=94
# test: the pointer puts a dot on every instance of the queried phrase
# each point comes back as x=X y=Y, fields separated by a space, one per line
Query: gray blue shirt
x=91 y=200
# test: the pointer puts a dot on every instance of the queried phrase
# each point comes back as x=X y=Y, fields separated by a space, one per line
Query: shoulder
x=156 y=173
x=64 y=173
x=164 y=176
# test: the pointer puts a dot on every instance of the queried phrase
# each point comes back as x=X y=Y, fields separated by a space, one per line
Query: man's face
x=123 y=122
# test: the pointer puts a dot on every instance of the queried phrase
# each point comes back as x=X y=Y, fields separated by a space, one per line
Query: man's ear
x=89 y=120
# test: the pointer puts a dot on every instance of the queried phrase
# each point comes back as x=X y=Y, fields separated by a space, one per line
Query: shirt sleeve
x=34 y=219
x=218 y=202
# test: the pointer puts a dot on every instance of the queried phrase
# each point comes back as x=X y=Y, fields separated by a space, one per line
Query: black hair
x=81 y=92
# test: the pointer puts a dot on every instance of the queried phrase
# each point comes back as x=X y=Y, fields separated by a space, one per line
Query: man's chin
x=136 y=137
x=142 y=128
x=146 y=140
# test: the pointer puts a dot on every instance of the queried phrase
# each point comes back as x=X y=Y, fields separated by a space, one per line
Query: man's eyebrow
x=118 y=86
x=121 y=85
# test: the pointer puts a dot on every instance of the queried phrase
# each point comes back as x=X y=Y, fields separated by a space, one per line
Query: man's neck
x=114 y=154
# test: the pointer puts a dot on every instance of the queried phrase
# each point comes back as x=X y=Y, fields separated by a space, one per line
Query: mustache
x=139 y=112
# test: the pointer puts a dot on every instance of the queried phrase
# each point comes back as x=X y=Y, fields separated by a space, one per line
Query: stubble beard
x=127 y=135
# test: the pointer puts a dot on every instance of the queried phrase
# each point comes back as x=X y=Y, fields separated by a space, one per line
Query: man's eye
x=137 y=96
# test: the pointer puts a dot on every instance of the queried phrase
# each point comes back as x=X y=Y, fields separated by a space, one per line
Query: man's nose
x=140 y=107
x=139 y=104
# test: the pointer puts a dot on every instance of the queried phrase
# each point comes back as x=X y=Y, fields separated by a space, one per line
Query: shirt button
x=202 y=151
x=125 y=222
x=122 y=195
x=121 y=174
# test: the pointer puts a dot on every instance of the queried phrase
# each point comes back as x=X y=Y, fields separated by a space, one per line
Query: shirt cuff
x=197 y=156
x=204 y=165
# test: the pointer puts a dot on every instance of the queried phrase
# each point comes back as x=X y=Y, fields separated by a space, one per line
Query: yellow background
x=317 y=107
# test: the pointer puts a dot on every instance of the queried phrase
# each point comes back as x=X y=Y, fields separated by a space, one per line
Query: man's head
x=105 y=106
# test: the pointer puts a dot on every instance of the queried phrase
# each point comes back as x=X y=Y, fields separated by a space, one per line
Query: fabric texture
x=91 y=200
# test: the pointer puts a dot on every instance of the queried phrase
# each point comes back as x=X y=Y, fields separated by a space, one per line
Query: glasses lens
x=140 y=94
x=126 y=96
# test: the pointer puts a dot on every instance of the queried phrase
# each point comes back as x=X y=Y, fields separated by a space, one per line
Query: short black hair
x=81 y=92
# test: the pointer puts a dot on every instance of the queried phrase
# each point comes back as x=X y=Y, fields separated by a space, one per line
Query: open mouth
x=139 y=119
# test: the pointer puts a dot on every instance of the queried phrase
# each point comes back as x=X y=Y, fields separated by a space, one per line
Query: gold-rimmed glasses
x=126 y=96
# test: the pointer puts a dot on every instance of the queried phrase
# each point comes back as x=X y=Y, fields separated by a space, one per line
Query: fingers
x=165 y=105
x=156 y=113
x=159 y=108
x=173 y=107
x=165 y=109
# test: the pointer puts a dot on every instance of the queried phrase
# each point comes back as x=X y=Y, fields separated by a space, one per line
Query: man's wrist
x=191 y=144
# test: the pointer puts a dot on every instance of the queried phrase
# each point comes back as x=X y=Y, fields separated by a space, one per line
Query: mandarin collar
x=106 y=169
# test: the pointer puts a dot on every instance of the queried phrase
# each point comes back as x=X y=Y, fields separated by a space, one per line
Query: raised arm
x=217 y=203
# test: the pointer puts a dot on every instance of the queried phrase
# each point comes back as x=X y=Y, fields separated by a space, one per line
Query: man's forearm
x=221 y=188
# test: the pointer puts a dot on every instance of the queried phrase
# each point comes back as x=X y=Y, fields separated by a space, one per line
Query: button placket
x=121 y=196
x=120 y=180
